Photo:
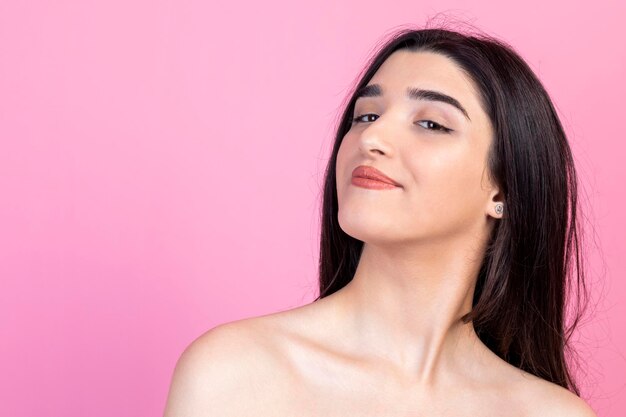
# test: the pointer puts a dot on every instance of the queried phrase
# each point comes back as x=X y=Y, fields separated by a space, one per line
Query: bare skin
x=391 y=342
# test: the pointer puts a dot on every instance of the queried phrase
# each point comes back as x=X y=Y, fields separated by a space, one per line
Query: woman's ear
x=496 y=206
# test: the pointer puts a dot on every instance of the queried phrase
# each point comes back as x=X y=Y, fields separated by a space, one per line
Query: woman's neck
x=406 y=310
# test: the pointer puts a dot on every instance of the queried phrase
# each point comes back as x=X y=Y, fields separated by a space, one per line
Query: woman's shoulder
x=240 y=346
x=548 y=398
x=221 y=363
x=244 y=342
x=238 y=356
x=532 y=395
x=537 y=397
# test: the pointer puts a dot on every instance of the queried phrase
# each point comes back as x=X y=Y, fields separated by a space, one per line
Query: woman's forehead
x=405 y=70
x=422 y=69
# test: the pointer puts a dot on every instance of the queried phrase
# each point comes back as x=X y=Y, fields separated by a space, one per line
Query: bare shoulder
x=223 y=371
x=552 y=399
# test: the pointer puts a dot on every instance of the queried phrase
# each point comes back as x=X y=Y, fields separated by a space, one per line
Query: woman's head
x=420 y=121
x=506 y=144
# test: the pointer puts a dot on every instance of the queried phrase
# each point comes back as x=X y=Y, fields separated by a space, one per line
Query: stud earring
x=499 y=208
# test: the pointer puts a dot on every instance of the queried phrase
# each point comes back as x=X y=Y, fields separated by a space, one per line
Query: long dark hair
x=527 y=277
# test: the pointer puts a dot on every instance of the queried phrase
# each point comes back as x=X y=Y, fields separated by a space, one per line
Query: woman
x=448 y=231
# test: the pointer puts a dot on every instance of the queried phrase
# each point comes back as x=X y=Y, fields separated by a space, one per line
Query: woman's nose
x=378 y=136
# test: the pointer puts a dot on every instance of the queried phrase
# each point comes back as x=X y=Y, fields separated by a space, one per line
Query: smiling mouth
x=367 y=176
x=372 y=184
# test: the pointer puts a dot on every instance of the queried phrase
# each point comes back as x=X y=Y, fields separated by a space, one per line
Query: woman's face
x=444 y=187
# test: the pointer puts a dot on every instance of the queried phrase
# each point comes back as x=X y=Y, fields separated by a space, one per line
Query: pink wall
x=160 y=166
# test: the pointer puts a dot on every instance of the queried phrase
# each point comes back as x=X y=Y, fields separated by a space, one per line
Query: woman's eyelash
x=438 y=126
x=357 y=119
x=434 y=125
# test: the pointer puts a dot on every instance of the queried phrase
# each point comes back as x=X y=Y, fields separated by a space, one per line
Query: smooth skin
x=391 y=342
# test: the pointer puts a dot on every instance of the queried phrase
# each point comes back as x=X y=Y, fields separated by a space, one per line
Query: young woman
x=448 y=235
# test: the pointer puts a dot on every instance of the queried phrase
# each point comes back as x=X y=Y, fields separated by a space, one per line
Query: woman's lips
x=369 y=177
x=372 y=184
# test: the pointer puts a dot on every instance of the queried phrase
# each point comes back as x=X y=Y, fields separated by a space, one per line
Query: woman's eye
x=430 y=125
x=427 y=124
x=357 y=119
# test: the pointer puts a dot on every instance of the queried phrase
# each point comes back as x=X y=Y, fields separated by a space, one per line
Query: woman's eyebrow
x=375 y=90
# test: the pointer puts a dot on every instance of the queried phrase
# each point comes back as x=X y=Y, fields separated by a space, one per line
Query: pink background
x=160 y=171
